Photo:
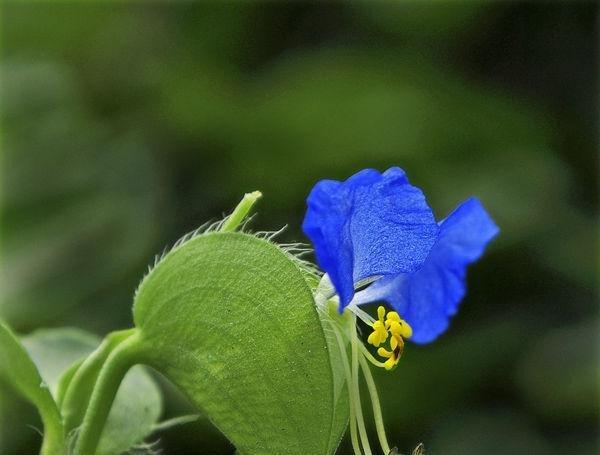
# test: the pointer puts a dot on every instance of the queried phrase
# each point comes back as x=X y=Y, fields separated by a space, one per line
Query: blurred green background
x=126 y=125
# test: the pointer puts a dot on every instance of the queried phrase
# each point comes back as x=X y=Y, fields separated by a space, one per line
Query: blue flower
x=379 y=226
x=371 y=225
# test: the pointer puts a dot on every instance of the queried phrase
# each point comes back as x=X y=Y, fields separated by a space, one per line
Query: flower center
x=394 y=327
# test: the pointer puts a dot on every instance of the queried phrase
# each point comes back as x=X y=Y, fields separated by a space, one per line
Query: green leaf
x=230 y=320
x=54 y=350
x=137 y=406
x=19 y=371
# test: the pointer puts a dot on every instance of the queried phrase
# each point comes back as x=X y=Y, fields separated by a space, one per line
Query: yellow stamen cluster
x=397 y=329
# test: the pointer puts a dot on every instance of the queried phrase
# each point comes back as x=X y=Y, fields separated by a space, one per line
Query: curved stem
x=54 y=440
x=376 y=406
x=114 y=369
x=78 y=393
x=356 y=391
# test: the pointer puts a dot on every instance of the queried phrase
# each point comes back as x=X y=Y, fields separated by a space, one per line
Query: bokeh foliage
x=125 y=125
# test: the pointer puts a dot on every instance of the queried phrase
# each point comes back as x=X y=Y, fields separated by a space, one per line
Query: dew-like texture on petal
x=428 y=298
x=372 y=224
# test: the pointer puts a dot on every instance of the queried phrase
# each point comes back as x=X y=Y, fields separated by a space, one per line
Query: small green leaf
x=58 y=354
x=230 y=320
x=19 y=371
x=54 y=350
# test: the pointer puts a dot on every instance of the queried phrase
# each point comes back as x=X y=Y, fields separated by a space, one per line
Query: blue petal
x=370 y=225
x=428 y=298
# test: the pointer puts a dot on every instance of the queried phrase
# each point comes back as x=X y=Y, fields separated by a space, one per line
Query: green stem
x=232 y=222
x=376 y=406
x=356 y=391
x=344 y=356
x=78 y=393
x=54 y=439
x=114 y=369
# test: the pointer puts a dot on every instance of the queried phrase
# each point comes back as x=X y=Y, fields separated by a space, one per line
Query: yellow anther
x=397 y=342
x=400 y=329
x=392 y=316
x=383 y=352
x=394 y=342
x=390 y=363
x=397 y=328
x=381 y=313
x=379 y=334
x=392 y=357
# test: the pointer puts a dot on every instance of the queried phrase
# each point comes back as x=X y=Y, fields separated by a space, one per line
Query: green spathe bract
x=230 y=320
